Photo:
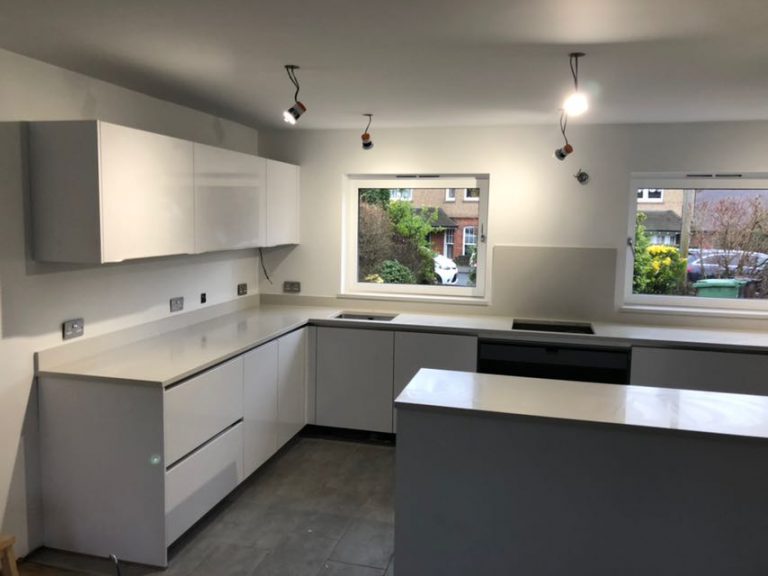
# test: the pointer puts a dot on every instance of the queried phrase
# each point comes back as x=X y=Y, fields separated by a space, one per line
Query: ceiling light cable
x=298 y=108
x=561 y=153
x=365 y=136
x=576 y=104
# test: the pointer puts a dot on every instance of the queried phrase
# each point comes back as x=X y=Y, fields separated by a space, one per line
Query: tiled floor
x=319 y=508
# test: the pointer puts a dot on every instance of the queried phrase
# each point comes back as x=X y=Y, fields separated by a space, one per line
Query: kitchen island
x=511 y=475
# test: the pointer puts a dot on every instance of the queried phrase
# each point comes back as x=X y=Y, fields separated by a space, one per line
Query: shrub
x=392 y=272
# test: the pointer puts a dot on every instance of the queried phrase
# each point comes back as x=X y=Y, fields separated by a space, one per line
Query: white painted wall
x=534 y=199
x=35 y=298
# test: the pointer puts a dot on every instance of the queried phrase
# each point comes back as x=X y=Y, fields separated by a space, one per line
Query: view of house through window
x=705 y=243
x=418 y=236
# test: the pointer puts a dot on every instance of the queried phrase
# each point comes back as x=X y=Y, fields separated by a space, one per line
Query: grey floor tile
x=338 y=569
x=367 y=543
x=315 y=499
x=299 y=555
x=230 y=559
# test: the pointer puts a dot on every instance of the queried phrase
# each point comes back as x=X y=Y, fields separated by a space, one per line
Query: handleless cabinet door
x=259 y=406
x=230 y=199
x=199 y=408
x=354 y=378
x=292 y=387
x=282 y=203
x=147 y=196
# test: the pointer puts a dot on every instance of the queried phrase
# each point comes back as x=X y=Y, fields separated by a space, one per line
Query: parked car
x=446 y=270
x=726 y=264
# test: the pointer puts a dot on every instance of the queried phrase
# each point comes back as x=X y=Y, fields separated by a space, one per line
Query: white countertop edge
x=668 y=409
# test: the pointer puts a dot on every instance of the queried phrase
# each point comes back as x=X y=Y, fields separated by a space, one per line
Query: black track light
x=365 y=136
x=298 y=108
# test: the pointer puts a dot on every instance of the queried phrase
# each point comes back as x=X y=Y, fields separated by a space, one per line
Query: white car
x=446 y=270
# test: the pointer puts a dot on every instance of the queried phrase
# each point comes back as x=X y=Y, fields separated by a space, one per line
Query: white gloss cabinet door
x=147 y=195
x=230 y=199
x=282 y=203
x=354 y=378
x=260 y=427
x=201 y=407
x=292 y=387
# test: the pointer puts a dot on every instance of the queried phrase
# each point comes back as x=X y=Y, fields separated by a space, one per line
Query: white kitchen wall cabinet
x=107 y=193
x=292 y=385
x=260 y=406
x=230 y=199
x=355 y=378
x=709 y=370
x=282 y=203
x=416 y=350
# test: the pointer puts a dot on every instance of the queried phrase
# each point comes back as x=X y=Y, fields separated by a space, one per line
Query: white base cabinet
x=360 y=371
x=735 y=372
x=129 y=467
x=354 y=378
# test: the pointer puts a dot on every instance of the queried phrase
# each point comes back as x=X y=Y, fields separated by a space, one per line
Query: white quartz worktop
x=663 y=408
x=176 y=355
x=169 y=357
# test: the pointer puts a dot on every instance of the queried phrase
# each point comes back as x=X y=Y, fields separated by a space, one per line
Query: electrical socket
x=203 y=298
x=292 y=286
x=177 y=304
x=72 y=328
x=242 y=289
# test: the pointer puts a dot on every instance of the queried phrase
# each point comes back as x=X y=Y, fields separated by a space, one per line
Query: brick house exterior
x=461 y=209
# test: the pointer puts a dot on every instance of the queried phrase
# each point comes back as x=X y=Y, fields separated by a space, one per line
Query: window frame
x=450 y=198
x=627 y=301
x=351 y=287
x=468 y=198
x=464 y=239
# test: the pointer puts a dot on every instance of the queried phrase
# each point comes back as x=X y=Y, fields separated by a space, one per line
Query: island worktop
x=508 y=475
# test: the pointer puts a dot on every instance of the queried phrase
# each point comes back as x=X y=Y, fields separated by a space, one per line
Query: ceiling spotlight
x=297 y=109
x=365 y=137
x=567 y=148
x=581 y=177
x=561 y=153
x=576 y=104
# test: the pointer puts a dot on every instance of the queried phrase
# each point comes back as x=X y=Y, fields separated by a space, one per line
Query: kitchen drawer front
x=201 y=407
x=200 y=481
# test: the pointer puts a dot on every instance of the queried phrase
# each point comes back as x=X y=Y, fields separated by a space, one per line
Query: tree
x=411 y=239
x=657 y=269
x=375 y=233
x=375 y=196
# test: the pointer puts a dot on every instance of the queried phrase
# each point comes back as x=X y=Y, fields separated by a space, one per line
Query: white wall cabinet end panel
x=282 y=203
x=230 y=199
x=199 y=482
x=201 y=407
x=292 y=385
x=107 y=193
x=260 y=427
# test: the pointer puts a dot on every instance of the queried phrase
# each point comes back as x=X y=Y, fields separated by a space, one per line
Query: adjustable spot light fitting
x=365 y=136
x=567 y=148
x=576 y=104
x=298 y=108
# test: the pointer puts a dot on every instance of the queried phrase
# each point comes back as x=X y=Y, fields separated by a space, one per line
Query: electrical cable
x=370 y=118
x=263 y=267
x=574 y=63
x=564 y=125
x=291 y=70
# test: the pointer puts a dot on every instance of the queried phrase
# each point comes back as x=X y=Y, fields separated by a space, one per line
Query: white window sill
x=427 y=299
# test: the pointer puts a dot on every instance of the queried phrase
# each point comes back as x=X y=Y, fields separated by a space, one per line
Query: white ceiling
x=413 y=62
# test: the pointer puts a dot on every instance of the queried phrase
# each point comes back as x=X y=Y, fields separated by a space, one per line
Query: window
x=399 y=237
x=652 y=195
x=471 y=194
x=470 y=240
x=450 y=194
x=698 y=242
x=448 y=250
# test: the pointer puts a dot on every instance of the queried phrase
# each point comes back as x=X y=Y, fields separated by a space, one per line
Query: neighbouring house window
x=650 y=195
x=470 y=239
x=400 y=237
x=471 y=194
x=450 y=194
x=448 y=251
x=699 y=242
